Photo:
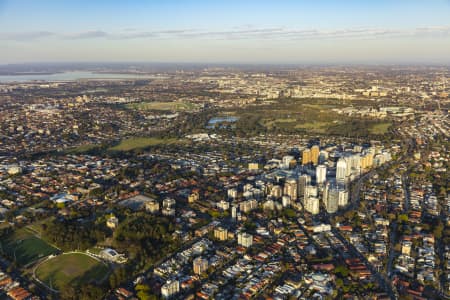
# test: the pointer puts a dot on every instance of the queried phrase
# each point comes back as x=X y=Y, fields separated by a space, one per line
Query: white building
x=234 y=212
x=343 y=198
x=245 y=239
x=170 y=289
x=200 y=265
x=312 y=205
x=290 y=188
x=232 y=193
x=310 y=191
x=223 y=205
x=341 y=170
x=321 y=174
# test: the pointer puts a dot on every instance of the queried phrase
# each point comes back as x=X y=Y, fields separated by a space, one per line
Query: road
x=382 y=279
x=383 y=283
x=393 y=233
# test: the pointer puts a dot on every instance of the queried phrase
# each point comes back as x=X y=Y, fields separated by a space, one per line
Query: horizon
x=255 y=32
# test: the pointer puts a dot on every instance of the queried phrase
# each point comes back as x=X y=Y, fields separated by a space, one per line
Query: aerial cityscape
x=224 y=150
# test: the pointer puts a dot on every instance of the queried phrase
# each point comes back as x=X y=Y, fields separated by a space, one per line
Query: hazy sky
x=315 y=31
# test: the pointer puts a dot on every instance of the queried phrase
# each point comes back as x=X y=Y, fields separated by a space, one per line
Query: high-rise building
x=269 y=205
x=332 y=201
x=200 y=265
x=343 y=198
x=303 y=181
x=170 y=289
x=312 y=205
x=354 y=162
x=223 y=205
x=315 y=154
x=233 y=212
x=341 y=170
x=326 y=188
x=306 y=157
x=367 y=160
x=245 y=239
x=310 y=191
x=290 y=188
x=286 y=201
x=276 y=191
x=248 y=205
x=321 y=174
x=221 y=233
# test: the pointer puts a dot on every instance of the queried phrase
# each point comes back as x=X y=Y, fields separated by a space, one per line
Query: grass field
x=81 y=149
x=164 y=106
x=317 y=127
x=26 y=247
x=380 y=128
x=71 y=269
x=141 y=142
x=315 y=116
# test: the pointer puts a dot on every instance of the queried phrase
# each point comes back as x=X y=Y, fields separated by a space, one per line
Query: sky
x=228 y=31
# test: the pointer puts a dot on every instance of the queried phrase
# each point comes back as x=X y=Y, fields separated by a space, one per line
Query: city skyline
x=385 y=32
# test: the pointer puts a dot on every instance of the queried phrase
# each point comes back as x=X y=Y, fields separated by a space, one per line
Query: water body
x=71 y=76
x=221 y=120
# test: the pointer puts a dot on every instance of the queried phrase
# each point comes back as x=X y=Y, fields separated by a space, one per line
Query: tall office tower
x=315 y=154
x=290 y=189
x=306 y=157
x=343 y=198
x=276 y=191
x=341 y=170
x=310 y=191
x=321 y=174
x=332 y=201
x=312 y=205
x=303 y=181
x=326 y=188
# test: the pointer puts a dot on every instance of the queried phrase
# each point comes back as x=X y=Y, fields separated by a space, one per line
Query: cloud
x=238 y=33
x=26 y=36
x=91 y=34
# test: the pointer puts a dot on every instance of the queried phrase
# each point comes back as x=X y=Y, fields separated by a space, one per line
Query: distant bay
x=72 y=76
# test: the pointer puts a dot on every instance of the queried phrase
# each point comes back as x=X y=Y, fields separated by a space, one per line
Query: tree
x=437 y=232
x=143 y=291
x=402 y=218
